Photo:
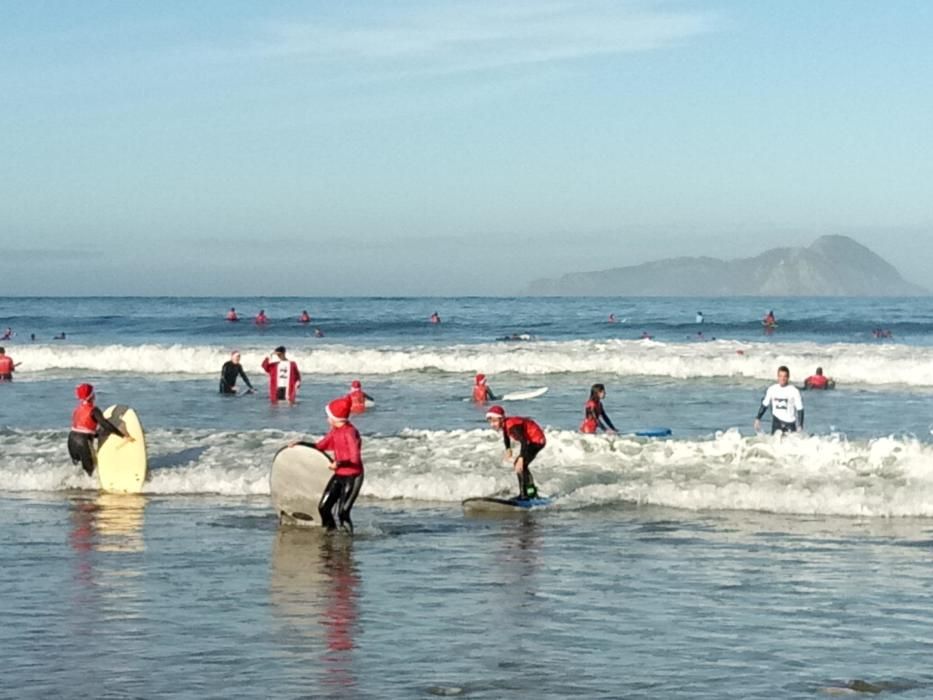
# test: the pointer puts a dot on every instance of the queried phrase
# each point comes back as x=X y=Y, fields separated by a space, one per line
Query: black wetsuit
x=81 y=445
x=228 y=376
x=341 y=491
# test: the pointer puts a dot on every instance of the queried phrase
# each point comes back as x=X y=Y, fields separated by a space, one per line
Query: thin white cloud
x=479 y=35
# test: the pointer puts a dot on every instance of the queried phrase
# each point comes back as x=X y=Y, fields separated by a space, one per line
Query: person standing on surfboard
x=344 y=441
x=594 y=415
x=532 y=440
x=481 y=391
x=785 y=403
x=87 y=421
x=358 y=397
x=229 y=373
x=7 y=366
x=284 y=377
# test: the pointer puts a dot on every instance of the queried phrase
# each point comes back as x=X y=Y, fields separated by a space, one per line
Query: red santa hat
x=339 y=409
x=495 y=412
x=84 y=391
x=480 y=378
x=355 y=384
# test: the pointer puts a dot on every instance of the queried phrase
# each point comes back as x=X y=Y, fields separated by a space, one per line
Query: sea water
x=716 y=563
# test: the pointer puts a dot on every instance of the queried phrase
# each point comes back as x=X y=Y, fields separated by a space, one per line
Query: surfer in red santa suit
x=284 y=377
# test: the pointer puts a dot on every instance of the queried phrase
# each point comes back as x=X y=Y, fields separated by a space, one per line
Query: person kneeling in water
x=532 y=440
x=87 y=421
x=481 y=391
x=344 y=486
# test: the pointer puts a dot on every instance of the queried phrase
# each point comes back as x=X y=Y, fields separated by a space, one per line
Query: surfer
x=613 y=319
x=87 y=421
x=229 y=373
x=7 y=366
x=232 y=315
x=532 y=440
x=7 y=334
x=358 y=397
x=284 y=377
x=819 y=381
x=769 y=321
x=60 y=336
x=699 y=317
x=645 y=335
x=304 y=317
x=481 y=391
x=435 y=318
x=261 y=318
x=318 y=333
x=785 y=403
x=344 y=441
x=594 y=414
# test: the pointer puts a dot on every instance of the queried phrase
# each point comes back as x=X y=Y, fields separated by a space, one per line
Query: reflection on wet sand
x=314 y=589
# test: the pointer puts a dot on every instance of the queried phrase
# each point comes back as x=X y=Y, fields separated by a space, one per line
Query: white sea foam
x=826 y=475
x=848 y=363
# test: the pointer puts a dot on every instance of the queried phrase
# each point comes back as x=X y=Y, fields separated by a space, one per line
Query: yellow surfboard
x=122 y=465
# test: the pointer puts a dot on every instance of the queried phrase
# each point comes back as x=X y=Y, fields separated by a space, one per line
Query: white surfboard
x=524 y=395
x=122 y=466
x=297 y=482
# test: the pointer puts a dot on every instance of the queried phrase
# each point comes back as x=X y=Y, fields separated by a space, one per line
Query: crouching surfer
x=532 y=440
x=358 y=397
x=481 y=391
x=87 y=421
x=785 y=403
x=343 y=440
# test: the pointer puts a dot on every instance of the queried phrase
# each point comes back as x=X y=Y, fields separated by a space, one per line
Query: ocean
x=713 y=564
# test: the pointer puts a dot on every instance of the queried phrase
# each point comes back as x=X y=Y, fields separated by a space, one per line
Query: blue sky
x=450 y=147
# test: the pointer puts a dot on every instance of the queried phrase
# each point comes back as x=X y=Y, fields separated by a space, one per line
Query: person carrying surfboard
x=594 y=414
x=7 y=366
x=231 y=370
x=87 y=421
x=343 y=440
x=358 y=397
x=785 y=403
x=481 y=391
x=531 y=438
x=284 y=377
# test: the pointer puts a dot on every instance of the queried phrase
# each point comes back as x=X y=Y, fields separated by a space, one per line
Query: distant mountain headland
x=832 y=266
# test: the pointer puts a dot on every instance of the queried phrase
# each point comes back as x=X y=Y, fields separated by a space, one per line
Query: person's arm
x=297 y=374
x=765 y=402
x=326 y=442
x=602 y=411
x=368 y=397
x=490 y=396
x=245 y=378
x=266 y=365
x=102 y=422
x=798 y=399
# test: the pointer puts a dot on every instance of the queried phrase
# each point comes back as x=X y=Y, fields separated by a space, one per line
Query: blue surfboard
x=489 y=504
x=653 y=432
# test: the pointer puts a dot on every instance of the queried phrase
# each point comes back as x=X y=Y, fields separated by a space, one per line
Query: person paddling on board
x=769 y=320
x=232 y=315
x=435 y=318
x=785 y=403
x=7 y=334
x=818 y=381
x=481 y=391
x=87 y=422
x=358 y=397
x=304 y=317
x=594 y=414
x=261 y=318
x=229 y=373
x=284 y=377
x=532 y=440
x=343 y=440
x=7 y=366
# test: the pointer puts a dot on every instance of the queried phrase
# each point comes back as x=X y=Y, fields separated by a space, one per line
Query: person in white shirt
x=785 y=403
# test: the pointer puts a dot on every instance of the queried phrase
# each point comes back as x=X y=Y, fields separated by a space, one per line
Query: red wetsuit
x=345 y=442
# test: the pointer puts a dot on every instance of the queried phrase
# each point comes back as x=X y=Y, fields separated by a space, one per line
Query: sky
x=422 y=147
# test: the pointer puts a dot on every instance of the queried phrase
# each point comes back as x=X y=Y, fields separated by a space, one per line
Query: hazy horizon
x=463 y=148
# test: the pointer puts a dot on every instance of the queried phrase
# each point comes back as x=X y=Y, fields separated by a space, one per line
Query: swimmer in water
x=304 y=317
x=435 y=318
x=646 y=336
x=60 y=336
x=318 y=333
x=594 y=414
x=261 y=318
x=232 y=315
x=613 y=319
x=769 y=320
x=7 y=334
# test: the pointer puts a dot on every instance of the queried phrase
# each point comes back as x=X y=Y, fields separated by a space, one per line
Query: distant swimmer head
x=338 y=410
x=480 y=378
x=84 y=392
x=355 y=384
